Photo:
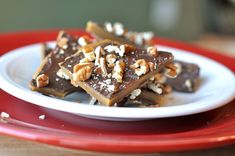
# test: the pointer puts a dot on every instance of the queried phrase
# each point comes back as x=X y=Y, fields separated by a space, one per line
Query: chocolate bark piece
x=118 y=33
x=130 y=70
x=48 y=79
x=187 y=79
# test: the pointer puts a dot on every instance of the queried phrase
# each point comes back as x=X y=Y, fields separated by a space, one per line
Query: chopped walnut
x=5 y=115
x=188 y=84
x=179 y=68
x=42 y=80
x=82 y=71
x=111 y=58
x=118 y=71
x=124 y=49
x=152 y=51
x=62 y=75
x=111 y=48
x=151 y=66
x=108 y=27
x=103 y=67
x=171 y=70
x=118 y=29
x=42 y=117
x=97 y=55
x=135 y=93
x=84 y=40
x=89 y=53
x=63 y=43
x=141 y=67
x=155 y=87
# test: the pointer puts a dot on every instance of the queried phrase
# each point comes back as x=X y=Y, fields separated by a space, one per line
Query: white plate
x=217 y=88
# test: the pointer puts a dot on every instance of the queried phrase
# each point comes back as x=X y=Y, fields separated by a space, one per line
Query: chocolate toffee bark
x=187 y=79
x=117 y=32
x=48 y=78
x=110 y=71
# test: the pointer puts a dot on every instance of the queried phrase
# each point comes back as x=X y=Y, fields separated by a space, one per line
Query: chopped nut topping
x=5 y=115
x=111 y=48
x=89 y=53
x=171 y=71
x=155 y=87
x=118 y=29
x=160 y=78
x=151 y=66
x=147 y=36
x=82 y=71
x=179 y=68
x=111 y=58
x=42 y=80
x=108 y=26
x=62 y=43
x=188 y=84
x=135 y=93
x=84 y=40
x=103 y=67
x=62 y=75
x=152 y=51
x=42 y=117
x=97 y=55
x=118 y=71
x=122 y=50
x=141 y=67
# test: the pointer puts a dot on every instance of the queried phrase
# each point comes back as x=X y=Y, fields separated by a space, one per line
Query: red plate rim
x=14 y=40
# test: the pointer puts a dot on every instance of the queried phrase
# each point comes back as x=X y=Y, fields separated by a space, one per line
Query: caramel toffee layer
x=187 y=79
x=56 y=86
x=107 y=89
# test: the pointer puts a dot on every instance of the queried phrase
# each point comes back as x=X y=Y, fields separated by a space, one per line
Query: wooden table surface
x=16 y=147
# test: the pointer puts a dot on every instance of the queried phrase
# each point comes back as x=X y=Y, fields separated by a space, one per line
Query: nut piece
x=5 y=115
x=111 y=58
x=84 y=40
x=171 y=71
x=179 y=68
x=152 y=51
x=118 y=29
x=155 y=87
x=97 y=55
x=103 y=67
x=82 y=71
x=88 y=53
x=135 y=93
x=151 y=66
x=111 y=48
x=108 y=26
x=141 y=67
x=62 y=75
x=42 y=80
x=118 y=71
x=63 y=43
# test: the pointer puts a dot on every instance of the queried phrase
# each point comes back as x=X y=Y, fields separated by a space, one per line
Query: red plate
x=204 y=130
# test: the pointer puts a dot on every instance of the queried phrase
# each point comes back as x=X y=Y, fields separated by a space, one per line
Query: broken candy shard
x=108 y=90
x=56 y=85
